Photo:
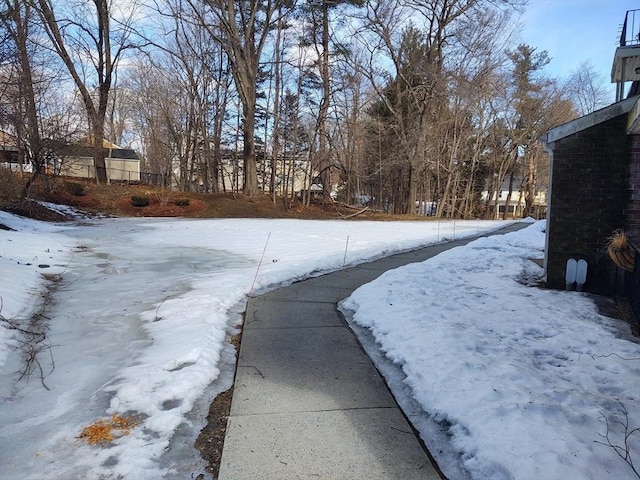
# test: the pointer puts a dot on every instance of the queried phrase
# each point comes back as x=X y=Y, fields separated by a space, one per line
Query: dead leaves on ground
x=103 y=431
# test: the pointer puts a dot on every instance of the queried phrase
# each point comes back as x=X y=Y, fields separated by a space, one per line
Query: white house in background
x=516 y=203
x=10 y=155
x=123 y=164
x=292 y=172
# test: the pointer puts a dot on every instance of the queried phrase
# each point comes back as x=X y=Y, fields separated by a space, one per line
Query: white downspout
x=549 y=150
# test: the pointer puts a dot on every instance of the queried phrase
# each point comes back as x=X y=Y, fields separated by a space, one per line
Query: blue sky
x=573 y=31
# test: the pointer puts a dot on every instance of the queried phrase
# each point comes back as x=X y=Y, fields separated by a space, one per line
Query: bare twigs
x=33 y=342
x=622 y=447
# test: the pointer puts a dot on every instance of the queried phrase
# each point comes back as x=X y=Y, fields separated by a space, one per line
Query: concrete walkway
x=308 y=402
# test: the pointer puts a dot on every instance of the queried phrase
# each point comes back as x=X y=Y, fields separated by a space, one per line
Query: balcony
x=630 y=34
x=626 y=61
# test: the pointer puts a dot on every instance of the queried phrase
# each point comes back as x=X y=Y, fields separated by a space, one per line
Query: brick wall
x=632 y=227
x=632 y=213
x=632 y=290
x=589 y=194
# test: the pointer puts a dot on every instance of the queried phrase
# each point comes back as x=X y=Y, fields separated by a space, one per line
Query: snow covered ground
x=526 y=380
x=138 y=322
x=137 y=326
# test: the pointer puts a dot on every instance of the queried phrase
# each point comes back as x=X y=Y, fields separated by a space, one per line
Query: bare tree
x=347 y=139
x=586 y=87
x=119 y=112
x=90 y=38
x=538 y=106
x=422 y=41
x=277 y=94
x=242 y=29
x=31 y=107
x=16 y=17
x=318 y=14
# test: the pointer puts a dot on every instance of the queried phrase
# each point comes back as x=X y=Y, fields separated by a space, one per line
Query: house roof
x=88 y=142
x=125 y=153
x=83 y=148
x=87 y=151
x=590 y=120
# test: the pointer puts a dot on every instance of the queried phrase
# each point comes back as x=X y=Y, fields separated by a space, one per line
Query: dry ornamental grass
x=621 y=251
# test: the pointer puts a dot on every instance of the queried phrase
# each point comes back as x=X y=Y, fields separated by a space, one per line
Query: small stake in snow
x=259 y=265
x=344 y=260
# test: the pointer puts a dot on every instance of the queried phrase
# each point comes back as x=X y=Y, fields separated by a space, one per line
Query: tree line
x=394 y=105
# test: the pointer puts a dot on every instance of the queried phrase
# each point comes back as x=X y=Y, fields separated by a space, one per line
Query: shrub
x=10 y=186
x=162 y=195
x=139 y=201
x=74 y=188
x=182 y=202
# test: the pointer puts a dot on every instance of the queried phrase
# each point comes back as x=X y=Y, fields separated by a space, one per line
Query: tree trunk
x=507 y=201
x=530 y=185
x=250 y=185
x=323 y=154
x=412 y=191
x=222 y=89
x=16 y=22
x=246 y=27
x=97 y=128
x=275 y=145
x=100 y=57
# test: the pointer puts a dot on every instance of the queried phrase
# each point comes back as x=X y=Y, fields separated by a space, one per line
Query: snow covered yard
x=530 y=383
x=138 y=323
x=138 y=328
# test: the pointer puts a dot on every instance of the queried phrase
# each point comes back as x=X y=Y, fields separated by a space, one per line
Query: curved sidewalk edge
x=308 y=402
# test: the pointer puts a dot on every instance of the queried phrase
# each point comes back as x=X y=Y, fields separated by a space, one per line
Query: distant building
x=123 y=164
x=515 y=209
x=11 y=156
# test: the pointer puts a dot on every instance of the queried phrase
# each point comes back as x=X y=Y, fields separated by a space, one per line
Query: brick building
x=593 y=193
x=594 y=184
